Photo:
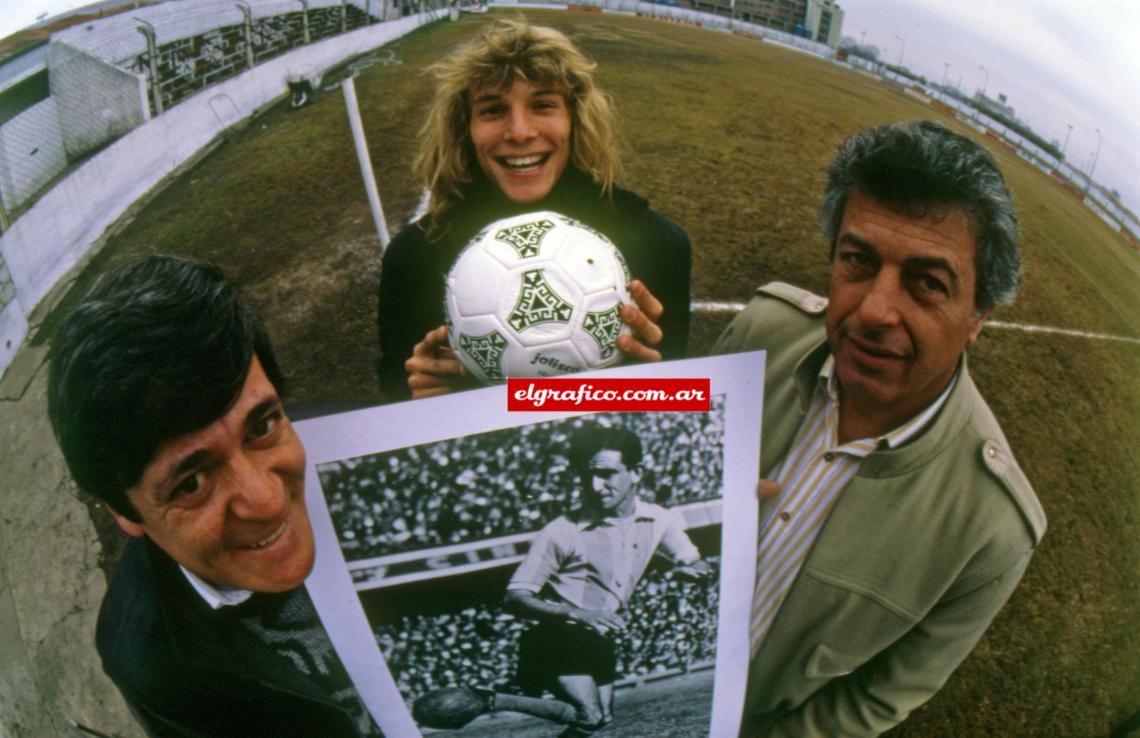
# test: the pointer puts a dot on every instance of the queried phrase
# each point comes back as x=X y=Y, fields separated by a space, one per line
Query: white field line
x=714 y=306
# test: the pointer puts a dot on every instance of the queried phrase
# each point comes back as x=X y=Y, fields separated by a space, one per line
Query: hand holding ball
x=538 y=294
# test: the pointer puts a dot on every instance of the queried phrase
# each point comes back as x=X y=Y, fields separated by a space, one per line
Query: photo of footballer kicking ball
x=575 y=581
x=538 y=574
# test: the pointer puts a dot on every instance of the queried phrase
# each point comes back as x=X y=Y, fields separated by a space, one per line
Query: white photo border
x=740 y=377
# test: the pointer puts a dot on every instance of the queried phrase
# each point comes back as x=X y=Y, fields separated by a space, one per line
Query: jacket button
x=829 y=457
x=785 y=516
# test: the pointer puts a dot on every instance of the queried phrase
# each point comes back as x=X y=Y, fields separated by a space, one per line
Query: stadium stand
x=670 y=627
x=506 y=481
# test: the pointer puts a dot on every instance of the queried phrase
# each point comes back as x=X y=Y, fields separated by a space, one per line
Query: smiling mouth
x=523 y=163
x=270 y=538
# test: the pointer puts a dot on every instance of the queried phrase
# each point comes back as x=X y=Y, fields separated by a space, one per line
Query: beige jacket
x=922 y=549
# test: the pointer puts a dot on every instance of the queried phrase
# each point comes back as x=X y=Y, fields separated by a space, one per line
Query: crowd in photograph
x=506 y=481
x=670 y=624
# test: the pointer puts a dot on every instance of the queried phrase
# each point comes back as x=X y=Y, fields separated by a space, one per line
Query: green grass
x=731 y=137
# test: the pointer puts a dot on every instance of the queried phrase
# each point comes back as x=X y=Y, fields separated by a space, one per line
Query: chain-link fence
x=96 y=81
x=31 y=145
x=1073 y=178
x=7 y=286
x=182 y=67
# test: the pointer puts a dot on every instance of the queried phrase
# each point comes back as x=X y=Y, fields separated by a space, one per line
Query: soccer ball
x=536 y=295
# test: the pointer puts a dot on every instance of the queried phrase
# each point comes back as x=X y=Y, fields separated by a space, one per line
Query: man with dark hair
x=896 y=522
x=163 y=394
x=578 y=574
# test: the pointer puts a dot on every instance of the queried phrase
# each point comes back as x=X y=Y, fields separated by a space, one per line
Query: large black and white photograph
x=548 y=575
x=262 y=263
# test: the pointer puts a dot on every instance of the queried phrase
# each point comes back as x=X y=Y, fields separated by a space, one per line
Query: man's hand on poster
x=641 y=316
x=766 y=489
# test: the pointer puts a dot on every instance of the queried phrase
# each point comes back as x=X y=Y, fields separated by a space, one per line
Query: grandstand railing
x=69 y=221
x=463 y=558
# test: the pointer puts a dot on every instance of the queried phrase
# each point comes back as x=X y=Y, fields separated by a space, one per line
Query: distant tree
x=904 y=72
x=853 y=48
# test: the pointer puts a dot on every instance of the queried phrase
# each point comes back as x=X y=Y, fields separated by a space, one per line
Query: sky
x=1060 y=62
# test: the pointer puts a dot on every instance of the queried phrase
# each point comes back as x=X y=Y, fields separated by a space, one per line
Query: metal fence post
x=247 y=31
x=147 y=30
x=343 y=15
x=305 y=21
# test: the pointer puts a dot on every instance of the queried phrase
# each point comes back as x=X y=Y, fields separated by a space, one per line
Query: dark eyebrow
x=919 y=263
x=261 y=409
x=928 y=263
x=188 y=463
x=850 y=239
x=198 y=457
x=487 y=97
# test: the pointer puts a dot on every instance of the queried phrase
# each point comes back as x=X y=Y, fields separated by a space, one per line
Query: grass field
x=731 y=138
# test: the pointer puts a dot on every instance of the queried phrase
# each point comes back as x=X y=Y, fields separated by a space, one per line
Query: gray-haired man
x=902 y=522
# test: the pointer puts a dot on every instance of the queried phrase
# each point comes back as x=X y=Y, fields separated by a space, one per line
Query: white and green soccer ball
x=536 y=295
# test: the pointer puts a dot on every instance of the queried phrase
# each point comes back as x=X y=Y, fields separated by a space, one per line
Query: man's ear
x=978 y=320
x=130 y=527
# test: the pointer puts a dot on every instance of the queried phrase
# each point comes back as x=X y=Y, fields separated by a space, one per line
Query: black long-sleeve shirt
x=415 y=265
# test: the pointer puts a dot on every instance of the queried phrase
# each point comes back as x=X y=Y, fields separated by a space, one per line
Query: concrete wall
x=116 y=40
x=50 y=677
x=67 y=223
x=31 y=153
x=23 y=66
x=97 y=102
x=13 y=325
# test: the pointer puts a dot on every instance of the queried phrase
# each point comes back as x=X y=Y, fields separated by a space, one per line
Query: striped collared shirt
x=811 y=478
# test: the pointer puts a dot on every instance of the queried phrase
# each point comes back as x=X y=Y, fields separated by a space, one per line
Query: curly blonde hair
x=507 y=50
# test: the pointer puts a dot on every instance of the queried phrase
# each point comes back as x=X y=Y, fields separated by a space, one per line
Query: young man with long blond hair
x=519 y=124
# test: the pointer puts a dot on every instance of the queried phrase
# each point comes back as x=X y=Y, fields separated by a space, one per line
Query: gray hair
x=922 y=168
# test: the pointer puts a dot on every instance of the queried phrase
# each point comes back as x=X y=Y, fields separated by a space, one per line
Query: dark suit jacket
x=187 y=670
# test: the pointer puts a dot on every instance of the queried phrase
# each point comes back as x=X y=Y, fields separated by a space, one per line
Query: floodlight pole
x=1066 y=144
x=365 y=162
x=901 y=49
x=1092 y=167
